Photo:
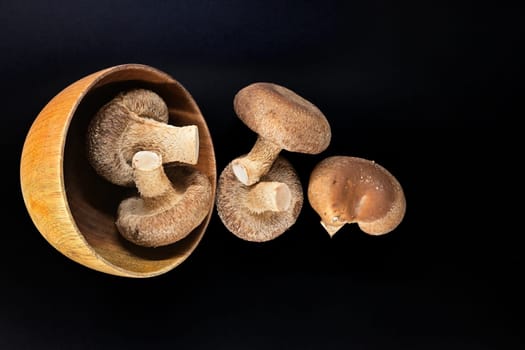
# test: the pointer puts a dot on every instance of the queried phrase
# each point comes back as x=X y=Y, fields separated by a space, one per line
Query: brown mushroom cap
x=173 y=201
x=282 y=117
x=345 y=190
x=144 y=103
x=232 y=196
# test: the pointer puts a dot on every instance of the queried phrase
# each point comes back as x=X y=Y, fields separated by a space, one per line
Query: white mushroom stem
x=332 y=228
x=268 y=196
x=150 y=178
x=250 y=168
x=173 y=143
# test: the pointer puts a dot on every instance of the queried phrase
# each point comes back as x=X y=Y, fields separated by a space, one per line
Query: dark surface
x=422 y=88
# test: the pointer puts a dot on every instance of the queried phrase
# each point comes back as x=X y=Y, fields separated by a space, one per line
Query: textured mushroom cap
x=265 y=226
x=144 y=103
x=349 y=189
x=281 y=116
x=176 y=218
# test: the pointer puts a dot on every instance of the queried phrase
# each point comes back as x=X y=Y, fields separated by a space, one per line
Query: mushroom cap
x=346 y=189
x=176 y=218
x=265 y=226
x=281 y=116
x=144 y=103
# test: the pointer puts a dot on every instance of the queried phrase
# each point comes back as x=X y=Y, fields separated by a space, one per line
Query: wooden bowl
x=74 y=208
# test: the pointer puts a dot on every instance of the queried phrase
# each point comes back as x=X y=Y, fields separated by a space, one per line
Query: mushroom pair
x=130 y=143
x=259 y=195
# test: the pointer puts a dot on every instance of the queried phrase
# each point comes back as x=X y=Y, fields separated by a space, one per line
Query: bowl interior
x=93 y=201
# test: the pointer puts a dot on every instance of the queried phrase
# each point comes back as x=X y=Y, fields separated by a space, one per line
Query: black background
x=421 y=87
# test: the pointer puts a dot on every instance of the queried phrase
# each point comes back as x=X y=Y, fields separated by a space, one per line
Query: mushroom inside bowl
x=73 y=207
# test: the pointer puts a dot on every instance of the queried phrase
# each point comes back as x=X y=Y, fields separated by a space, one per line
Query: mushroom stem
x=149 y=176
x=268 y=196
x=172 y=143
x=331 y=229
x=250 y=168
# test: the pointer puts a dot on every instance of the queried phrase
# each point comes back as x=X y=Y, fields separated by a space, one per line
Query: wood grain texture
x=71 y=206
